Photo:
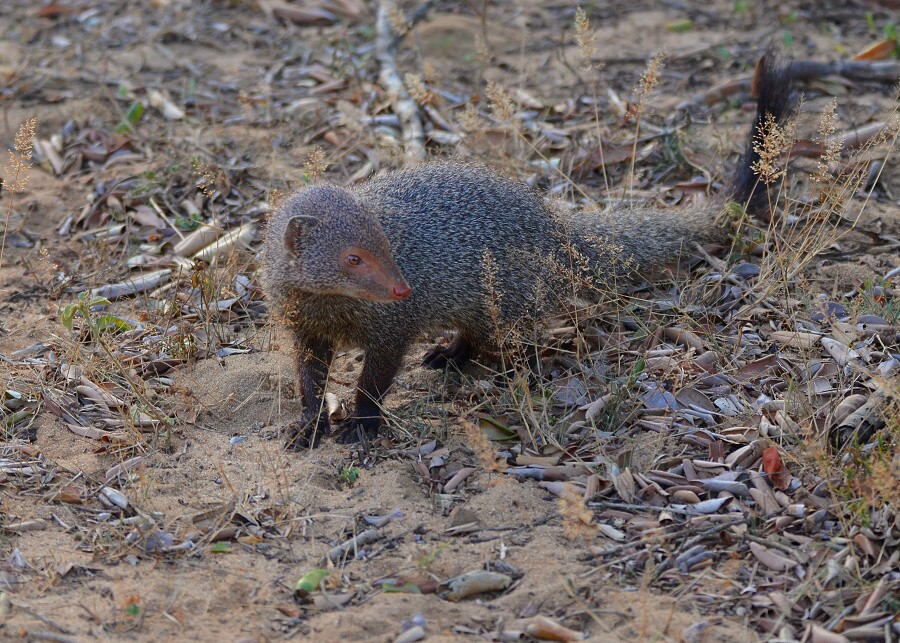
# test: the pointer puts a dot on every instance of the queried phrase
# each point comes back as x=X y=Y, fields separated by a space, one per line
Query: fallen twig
x=404 y=107
x=363 y=538
x=690 y=542
x=877 y=70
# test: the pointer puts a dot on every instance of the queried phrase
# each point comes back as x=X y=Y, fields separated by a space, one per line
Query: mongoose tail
x=639 y=238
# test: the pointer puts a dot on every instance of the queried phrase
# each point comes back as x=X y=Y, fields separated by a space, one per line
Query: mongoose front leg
x=312 y=359
x=379 y=368
x=457 y=352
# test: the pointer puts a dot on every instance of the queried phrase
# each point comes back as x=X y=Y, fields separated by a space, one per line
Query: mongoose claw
x=356 y=430
x=306 y=432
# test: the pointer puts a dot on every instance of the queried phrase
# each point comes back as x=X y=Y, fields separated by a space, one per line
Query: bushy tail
x=630 y=240
x=773 y=87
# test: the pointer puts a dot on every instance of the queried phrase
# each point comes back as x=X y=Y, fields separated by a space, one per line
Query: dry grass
x=17 y=171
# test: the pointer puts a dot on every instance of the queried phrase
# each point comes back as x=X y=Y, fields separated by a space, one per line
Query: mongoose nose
x=401 y=291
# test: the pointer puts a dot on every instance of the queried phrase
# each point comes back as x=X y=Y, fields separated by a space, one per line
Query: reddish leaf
x=774 y=468
x=758 y=367
x=879 y=51
x=71 y=494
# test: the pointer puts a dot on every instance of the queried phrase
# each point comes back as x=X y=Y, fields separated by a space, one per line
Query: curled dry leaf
x=474 y=583
x=803 y=341
x=133 y=285
x=624 y=484
x=353 y=544
x=818 y=634
x=199 y=238
x=161 y=102
x=239 y=237
x=415 y=633
x=611 y=532
x=122 y=467
x=458 y=478
x=87 y=431
x=711 y=506
x=771 y=559
x=592 y=409
x=25 y=526
x=774 y=468
x=866 y=545
x=684 y=337
x=326 y=602
x=116 y=497
x=71 y=494
x=841 y=353
x=545 y=629
x=557 y=488
x=303 y=16
x=878 y=51
x=337 y=410
x=758 y=367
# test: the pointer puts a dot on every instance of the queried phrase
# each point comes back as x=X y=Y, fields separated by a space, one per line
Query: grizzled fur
x=479 y=251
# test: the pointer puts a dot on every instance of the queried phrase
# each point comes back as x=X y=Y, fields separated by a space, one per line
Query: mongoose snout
x=401 y=291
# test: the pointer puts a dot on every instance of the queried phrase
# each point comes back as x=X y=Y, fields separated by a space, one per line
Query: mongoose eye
x=353 y=260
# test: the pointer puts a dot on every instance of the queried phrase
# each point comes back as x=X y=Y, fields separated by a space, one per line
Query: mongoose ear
x=297 y=227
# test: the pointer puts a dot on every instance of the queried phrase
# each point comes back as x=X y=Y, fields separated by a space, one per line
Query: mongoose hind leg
x=457 y=353
x=379 y=369
x=312 y=359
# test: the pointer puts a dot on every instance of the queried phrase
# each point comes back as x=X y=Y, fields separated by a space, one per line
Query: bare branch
x=404 y=107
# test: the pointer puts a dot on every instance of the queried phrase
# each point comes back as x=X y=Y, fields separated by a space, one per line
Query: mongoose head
x=336 y=246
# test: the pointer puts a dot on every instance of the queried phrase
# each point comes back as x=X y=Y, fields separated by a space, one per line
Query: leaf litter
x=682 y=450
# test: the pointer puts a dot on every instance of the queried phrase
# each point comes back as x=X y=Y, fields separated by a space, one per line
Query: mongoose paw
x=306 y=432
x=457 y=352
x=356 y=430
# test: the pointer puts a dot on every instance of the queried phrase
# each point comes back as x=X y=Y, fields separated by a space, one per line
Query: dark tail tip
x=773 y=88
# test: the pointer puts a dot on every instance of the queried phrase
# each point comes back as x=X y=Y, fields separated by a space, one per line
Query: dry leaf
x=771 y=559
x=879 y=51
x=774 y=468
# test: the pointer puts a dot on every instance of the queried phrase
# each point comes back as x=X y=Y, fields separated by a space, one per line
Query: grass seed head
x=470 y=120
x=482 y=447
x=832 y=144
x=501 y=102
x=417 y=90
x=586 y=38
x=770 y=143
x=649 y=80
x=576 y=516
x=20 y=160
x=316 y=164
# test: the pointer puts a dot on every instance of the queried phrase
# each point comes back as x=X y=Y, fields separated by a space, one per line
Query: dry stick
x=404 y=107
x=43 y=619
x=687 y=544
x=514 y=532
x=51 y=636
x=878 y=70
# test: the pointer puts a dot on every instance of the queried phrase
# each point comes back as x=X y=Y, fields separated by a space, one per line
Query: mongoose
x=449 y=246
